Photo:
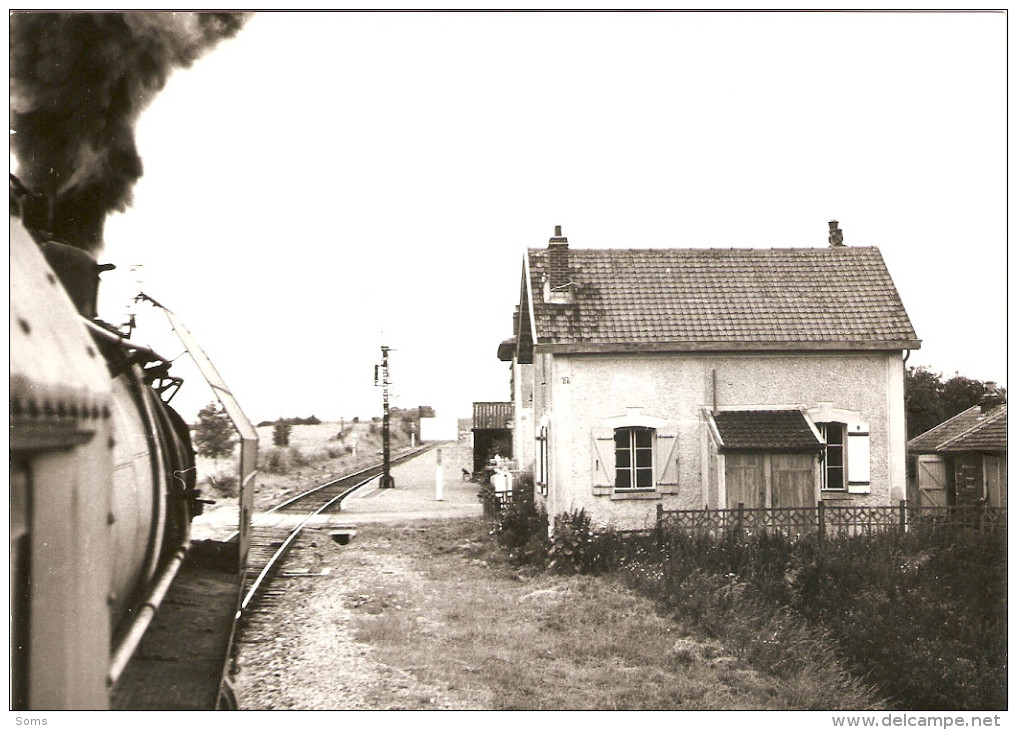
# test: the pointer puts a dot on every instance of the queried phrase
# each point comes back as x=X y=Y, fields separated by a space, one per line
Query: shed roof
x=491 y=415
x=771 y=430
x=969 y=430
x=708 y=298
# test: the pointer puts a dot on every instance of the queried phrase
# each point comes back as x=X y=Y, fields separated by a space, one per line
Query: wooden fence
x=827 y=520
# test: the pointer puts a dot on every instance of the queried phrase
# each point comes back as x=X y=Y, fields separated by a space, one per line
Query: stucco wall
x=523 y=428
x=577 y=392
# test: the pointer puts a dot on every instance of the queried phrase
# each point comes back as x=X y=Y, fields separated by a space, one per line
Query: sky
x=325 y=184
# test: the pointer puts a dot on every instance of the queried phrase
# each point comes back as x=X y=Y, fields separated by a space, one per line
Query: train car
x=102 y=494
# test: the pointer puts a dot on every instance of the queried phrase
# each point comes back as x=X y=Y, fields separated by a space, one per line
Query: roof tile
x=632 y=296
x=776 y=429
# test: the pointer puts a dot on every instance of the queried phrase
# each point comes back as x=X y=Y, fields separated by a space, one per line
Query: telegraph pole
x=387 y=481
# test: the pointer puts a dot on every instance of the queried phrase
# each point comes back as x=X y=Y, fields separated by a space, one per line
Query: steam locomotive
x=102 y=494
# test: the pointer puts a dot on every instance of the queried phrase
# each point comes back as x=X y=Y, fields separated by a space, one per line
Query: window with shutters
x=634 y=461
x=633 y=458
x=846 y=458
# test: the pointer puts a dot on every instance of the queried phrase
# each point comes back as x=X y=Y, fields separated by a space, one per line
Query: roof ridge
x=838 y=249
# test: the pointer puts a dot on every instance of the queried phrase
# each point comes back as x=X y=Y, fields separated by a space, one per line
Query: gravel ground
x=305 y=655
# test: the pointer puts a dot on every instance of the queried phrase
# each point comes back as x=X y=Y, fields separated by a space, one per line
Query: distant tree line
x=930 y=400
x=309 y=421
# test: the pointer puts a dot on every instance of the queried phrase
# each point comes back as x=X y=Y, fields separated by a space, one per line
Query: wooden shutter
x=665 y=456
x=602 y=447
x=858 y=458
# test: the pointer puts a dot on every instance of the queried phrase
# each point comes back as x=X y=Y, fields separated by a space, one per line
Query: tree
x=929 y=401
x=213 y=433
x=281 y=432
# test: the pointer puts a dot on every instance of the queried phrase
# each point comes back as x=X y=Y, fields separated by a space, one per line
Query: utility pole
x=387 y=481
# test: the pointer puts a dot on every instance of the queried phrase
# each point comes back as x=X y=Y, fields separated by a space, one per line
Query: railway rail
x=274 y=531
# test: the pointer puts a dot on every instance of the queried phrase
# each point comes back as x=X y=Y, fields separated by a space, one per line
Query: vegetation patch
x=469 y=619
x=915 y=618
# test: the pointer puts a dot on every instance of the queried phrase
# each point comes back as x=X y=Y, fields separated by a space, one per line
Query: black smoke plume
x=78 y=83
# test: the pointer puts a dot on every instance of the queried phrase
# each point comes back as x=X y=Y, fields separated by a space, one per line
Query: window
x=633 y=458
x=834 y=464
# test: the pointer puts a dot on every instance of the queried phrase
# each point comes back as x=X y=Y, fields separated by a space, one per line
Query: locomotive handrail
x=132 y=639
x=119 y=339
x=248 y=434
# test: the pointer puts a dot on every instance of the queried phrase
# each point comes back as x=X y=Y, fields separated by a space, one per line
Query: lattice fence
x=827 y=521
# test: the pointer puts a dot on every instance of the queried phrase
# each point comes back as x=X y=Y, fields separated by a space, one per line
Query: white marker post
x=437 y=479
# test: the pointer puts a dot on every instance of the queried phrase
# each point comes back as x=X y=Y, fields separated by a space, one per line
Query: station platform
x=414 y=496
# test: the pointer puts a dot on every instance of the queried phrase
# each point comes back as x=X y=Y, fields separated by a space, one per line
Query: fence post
x=822 y=521
x=738 y=522
x=658 y=531
x=903 y=516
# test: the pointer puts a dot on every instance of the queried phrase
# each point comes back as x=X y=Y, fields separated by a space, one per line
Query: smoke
x=78 y=83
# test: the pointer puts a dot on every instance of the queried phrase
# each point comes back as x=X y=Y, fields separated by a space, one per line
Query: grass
x=466 y=619
x=313 y=453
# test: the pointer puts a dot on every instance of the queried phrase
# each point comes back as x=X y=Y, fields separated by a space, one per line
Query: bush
x=221 y=485
x=577 y=548
x=921 y=617
x=281 y=459
x=334 y=452
x=521 y=525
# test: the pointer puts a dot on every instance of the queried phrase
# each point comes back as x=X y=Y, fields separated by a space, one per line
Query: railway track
x=274 y=531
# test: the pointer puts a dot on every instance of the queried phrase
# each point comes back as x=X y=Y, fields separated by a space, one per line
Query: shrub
x=921 y=617
x=281 y=459
x=223 y=485
x=522 y=525
x=335 y=452
x=576 y=547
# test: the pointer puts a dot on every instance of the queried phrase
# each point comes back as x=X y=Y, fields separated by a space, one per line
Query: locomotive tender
x=102 y=493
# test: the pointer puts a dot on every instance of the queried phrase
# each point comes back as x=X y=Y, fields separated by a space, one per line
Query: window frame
x=634 y=469
x=841 y=446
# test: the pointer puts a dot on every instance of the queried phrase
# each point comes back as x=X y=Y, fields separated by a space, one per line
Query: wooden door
x=744 y=480
x=995 y=480
x=932 y=485
x=793 y=479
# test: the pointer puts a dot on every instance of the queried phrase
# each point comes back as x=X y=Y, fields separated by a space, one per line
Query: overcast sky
x=324 y=184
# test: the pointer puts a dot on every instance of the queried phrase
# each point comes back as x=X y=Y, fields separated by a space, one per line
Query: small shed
x=492 y=432
x=962 y=460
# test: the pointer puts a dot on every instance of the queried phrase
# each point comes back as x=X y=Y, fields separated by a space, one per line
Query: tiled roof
x=695 y=297
x=784 y=429
x=491 y=414
x=969 y=430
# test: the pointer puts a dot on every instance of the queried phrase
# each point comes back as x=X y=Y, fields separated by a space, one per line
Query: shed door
x=745 y=480
x=931 y=481
x=794 y=480
x=995 y=481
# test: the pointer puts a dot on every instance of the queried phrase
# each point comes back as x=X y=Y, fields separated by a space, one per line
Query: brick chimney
x=836 y=235
x=991 y=398
x=558 y=262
